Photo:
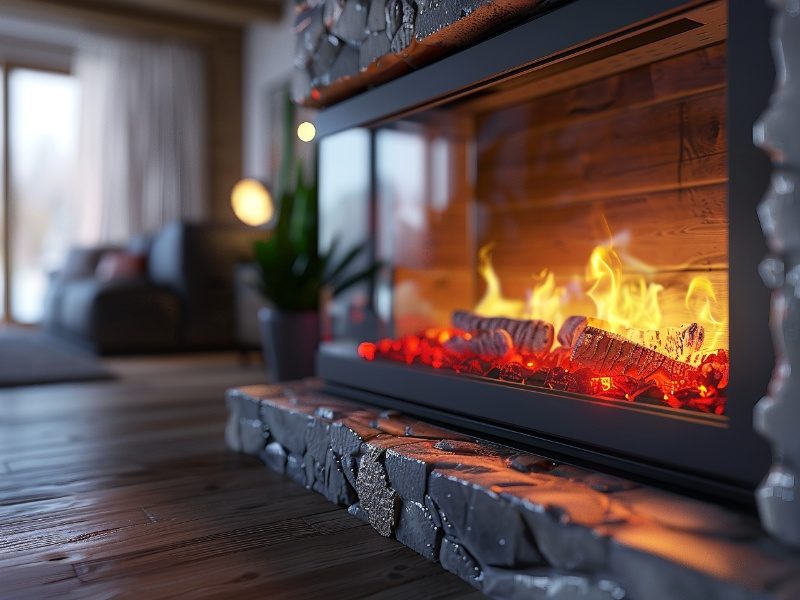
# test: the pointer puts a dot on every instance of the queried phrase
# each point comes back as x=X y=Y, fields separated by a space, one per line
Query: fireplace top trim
x=584 y=24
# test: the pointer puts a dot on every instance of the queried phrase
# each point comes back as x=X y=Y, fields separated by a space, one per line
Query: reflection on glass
x=344 y=197
x=43 y=142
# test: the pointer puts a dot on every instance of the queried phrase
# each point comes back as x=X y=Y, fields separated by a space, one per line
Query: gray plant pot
x=289 y=339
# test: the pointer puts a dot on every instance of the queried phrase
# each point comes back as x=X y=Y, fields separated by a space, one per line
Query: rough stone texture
x=513 y=524
x=377 y=498
x=778 y=414
x=418 y=531
x=274 y=456
x=345 y=46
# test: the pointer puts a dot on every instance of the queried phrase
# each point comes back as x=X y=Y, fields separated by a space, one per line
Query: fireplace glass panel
x=566 y=229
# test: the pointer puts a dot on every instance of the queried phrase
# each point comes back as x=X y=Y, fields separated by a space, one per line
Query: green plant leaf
x=346 y=260
x=363 y=275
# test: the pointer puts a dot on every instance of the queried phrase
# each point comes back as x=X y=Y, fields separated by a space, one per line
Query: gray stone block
x=233 y=438
x=435 y=16
x=253 y=437
x=562 y=521
x=332 y=10
x=288 y=428
x=456 y=559
x=274 y=456
x=351 y=26
x=309 y=30
x=328 y=50
x=375 y=46
x=376 y=16
x=296 y=468
x=346 y=63
x=348 y=435
x=433 y=510
x=318 y=439
x=548 y=584
x=651 y=577
x=358 y=512
x=337 y=489
x=490 y=527
x=530 y=463
x=407 y=474
x=349 y=466
x=417 y=530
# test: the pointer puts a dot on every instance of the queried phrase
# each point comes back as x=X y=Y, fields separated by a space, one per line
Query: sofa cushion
x=82 y=262
x=120 y=264
x=121 y=315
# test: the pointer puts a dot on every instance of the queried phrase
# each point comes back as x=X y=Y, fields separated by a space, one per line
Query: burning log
x=611 y=354
x=528 y=337
x=677 y=343
x=496 y=343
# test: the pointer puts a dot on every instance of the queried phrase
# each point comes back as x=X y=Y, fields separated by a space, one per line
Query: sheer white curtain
x=143 y=159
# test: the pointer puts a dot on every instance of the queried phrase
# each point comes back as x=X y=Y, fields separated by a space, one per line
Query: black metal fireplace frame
x=726 y=460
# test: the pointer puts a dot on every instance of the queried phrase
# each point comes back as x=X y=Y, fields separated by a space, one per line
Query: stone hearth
x=511 y=523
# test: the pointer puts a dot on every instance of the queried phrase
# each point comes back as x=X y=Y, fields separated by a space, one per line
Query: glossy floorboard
x=125 y=489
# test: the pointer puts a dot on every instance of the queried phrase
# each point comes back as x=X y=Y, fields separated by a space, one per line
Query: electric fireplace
x=566 y=218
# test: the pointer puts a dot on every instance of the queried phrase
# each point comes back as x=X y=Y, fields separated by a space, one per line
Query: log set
x=528 y=336
x=344 y=46
x=678 y=343
x=496 y=343
x=611 y=354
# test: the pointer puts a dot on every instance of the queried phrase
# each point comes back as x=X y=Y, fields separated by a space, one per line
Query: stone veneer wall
x=344 y=46
x=513 y=524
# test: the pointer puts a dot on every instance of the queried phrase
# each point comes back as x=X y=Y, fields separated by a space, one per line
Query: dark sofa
x=183 y=301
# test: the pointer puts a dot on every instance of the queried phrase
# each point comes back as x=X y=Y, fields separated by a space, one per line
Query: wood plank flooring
x=125 y=489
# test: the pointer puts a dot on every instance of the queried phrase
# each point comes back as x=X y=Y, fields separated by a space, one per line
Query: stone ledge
x=513 y=524
x=343 y=47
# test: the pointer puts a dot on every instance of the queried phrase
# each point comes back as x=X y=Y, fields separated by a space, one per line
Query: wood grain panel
x=674 y=78
x=683 y=229
x=641 y=149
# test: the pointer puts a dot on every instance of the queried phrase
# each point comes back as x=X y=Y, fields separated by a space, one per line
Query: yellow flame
x=631 y=303
x=625 y=302
x=546 y=299
x=493 y=304
x=701 y=302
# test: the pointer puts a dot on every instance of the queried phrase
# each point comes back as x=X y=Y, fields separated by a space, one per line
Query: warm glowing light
x=678 y=331
x=366 y=350
x=631 y=304
x=701 y=302
x=626 y=303
x=493 y=304
x=306 y=131
x=252 y=203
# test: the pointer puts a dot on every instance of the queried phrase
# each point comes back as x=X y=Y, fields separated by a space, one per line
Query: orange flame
x=628 y=304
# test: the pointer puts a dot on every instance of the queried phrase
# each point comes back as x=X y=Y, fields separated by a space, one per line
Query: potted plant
x=293 y=275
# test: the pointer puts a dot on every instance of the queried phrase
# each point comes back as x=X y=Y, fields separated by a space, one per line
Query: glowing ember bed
x=570 y=244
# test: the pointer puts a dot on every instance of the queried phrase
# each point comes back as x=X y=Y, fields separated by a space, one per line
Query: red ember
x=702 y=390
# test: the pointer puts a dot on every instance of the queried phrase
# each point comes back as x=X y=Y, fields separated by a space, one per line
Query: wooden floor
x=124 y=489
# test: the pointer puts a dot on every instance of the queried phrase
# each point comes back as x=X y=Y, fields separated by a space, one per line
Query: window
x=40 y=170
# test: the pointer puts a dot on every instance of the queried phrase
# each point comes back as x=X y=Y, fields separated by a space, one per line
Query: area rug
x=32 y=357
